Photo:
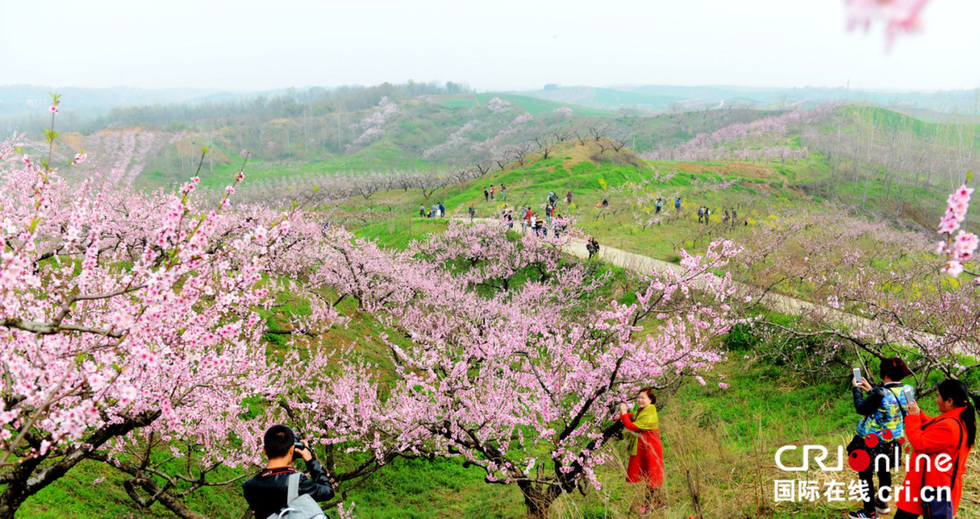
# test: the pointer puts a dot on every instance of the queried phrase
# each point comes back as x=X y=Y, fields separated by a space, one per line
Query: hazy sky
x=505 y=44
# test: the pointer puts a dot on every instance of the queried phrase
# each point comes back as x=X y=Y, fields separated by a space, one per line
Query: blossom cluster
x=373 y=126
x=960 y=248
x=899 y=15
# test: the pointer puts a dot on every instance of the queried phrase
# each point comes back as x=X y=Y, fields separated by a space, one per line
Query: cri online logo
x=860 y=460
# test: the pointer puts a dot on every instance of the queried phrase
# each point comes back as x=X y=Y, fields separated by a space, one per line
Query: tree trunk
x=16 y=492
x=538 y=500
x=26 y=480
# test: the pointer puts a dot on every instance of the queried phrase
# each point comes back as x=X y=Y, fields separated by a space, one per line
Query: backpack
x=889 y=415
x=298 y=506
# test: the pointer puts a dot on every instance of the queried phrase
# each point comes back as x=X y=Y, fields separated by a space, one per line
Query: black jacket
x=868 y=405
x=266 y=492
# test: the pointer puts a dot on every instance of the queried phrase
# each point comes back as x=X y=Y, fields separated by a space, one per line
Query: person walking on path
x=492 y=191
x=568 y=197
x=486 y=194
x=503 y=192
x=701 y=214
x=646 y=464
x=677 y=204
x=592 y=246
x=948 y=437
x=658 y=205
x=472 y=213
x=422 y=210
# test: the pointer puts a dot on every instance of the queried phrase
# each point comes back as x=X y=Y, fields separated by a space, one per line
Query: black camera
x=298 y=446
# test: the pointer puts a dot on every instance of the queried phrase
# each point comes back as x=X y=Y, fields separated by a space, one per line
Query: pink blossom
x=953 y=268
x=948 y=224
x=899 y=15
x=964 y=245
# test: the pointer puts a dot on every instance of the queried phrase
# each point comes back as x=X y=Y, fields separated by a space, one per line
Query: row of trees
x=901 y=154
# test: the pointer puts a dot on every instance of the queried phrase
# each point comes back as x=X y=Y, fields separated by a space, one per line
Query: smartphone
x=909 y=397
x=857 y=375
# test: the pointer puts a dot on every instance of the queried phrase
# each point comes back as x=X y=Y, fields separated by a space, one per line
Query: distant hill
x=25 y=100
x=660 y=98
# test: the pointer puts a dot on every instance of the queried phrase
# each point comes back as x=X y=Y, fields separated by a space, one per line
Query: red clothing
x=648 y=464
x=933 y=436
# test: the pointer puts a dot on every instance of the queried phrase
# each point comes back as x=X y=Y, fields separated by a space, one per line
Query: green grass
x=398 y=232
x=422 y=489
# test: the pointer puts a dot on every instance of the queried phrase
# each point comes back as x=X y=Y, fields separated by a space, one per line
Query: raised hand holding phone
x=913 y=407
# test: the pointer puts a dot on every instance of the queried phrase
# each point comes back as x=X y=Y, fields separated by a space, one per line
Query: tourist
x=646 y=463
x=883 y=410
x=952 y=434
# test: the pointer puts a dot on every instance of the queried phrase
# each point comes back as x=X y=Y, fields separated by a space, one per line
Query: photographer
x=883 y=412
x=267 y=492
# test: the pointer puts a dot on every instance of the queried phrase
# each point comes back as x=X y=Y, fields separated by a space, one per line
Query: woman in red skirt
x=646 y=452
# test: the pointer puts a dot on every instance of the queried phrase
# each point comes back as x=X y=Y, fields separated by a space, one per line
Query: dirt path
x=644 y=264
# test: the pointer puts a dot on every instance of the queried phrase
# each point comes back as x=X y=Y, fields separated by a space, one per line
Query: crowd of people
x=491 y=193
x=705 y=212
x=436 y=211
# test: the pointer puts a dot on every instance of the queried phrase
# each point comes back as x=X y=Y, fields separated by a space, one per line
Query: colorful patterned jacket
x=884 y=409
